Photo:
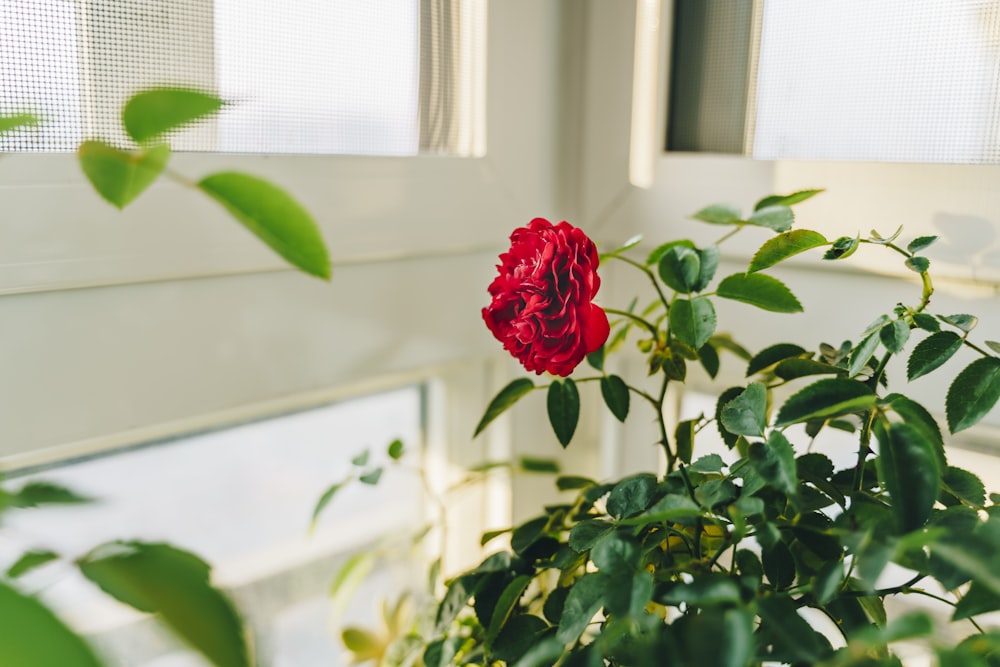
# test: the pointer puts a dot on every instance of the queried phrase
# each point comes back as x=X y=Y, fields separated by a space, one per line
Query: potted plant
x=766 y=553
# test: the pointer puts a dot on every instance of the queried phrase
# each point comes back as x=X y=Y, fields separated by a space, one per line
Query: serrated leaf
x=505 y=606
x=931 y=353
x=917 y=416
x=724 y=398
x=783 y=246
x=693 y=321
x=273 y=216
x=684 y=438
x=973 y=393
x=926 y=322
x=963 y=321
x=563 y=405
x=680 y=268
x=963 y=486
x=16 y=121
x=29 y=561
x=862 y=353
x=759 y=290
x=719 y=214
x=786 y=200
x=920 y=243
x=894 y=336
x=507 y=397
x=777 y=217
x=396 y=449
x=149 y=114
x=32 y=636
x=772 y=355
x=843 y=247
x=775 y=462
x=745 y=414
x=175 y=585
x=791 y=369
x=121 y=176
x=826 y=398
x=918 y=264
x=909 y=469
x=616 y=396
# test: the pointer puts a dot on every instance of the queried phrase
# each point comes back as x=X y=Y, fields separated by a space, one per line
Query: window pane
x=242 y=499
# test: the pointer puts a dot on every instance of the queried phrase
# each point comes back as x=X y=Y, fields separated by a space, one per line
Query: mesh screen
x=310 y=76
x=894 y=80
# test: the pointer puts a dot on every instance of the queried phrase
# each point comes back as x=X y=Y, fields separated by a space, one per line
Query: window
x=241 y=498
x=358 y=77
x=861 y=81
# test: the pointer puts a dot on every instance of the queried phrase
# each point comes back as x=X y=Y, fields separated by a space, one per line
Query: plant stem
x=635 y=318
x=728 y=235
x=661 y=422
x=652 y=278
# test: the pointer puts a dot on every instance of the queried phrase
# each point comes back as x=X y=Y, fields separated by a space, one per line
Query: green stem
x=179 y=178
x=975 y=347
x=635 y=318
x=661 y=422
x=728 y=235
x=652 y=278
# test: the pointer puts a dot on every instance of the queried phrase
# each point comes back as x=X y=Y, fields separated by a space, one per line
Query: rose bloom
x=541 y=309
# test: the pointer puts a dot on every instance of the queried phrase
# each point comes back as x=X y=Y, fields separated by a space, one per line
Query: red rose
x=541 y=309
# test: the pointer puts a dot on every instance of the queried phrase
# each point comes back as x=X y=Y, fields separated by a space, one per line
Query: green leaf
x=878 y=238
x=162 y=579
x=827 y=582
x=772 y=355
x=371 y=477
x=709 y=359
x=149 y=114
x=684 y=437
x=519 y=635
x=442 y=652
x=917 y=416
x=826 y=398
x=364 y=644
x=596 y=358
x=973 y=393
x=505 y=606
x=745 y=414
x=32 y=636
x=724 y=398
x=709 y=257
x=616 y=396
x=786 y=200
x=657 y=254
x=615 y=552
x=716 y=637
x=920 y=243
x=926 y=322
x=760 y=290
x=993 y=345
x=273 y=216
x=918 y=264
x=34 y=494
x=719 y=214
x=962 y=486
x=631 y=495
x=324 y=500
x=395 y=449
x=777 y=217
x=628 y=245
x=534 y=464
x=29 y=561
x=908 y=466
x=563 y=404
x=963 y=321
x=584 y=600
x=790 y=632
x=775 y=462
x=931 y=353
x=862 y=353
x=843 y=247
x=693 y=322
x=349 y=578
x=456 y=597
x=361 y=459
x=585 y=534
x=507 y=397
x=680 y=268
x=894 y=335
x=120 y=176
x=17 y=121
x=978 y=600
x=570 y=482
x=783 y=246
x=791 y=369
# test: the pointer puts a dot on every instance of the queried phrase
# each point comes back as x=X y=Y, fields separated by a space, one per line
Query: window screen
x=896 y=80
x=311 y=76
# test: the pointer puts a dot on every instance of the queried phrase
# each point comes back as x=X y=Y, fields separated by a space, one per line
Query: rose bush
x=542 y=308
